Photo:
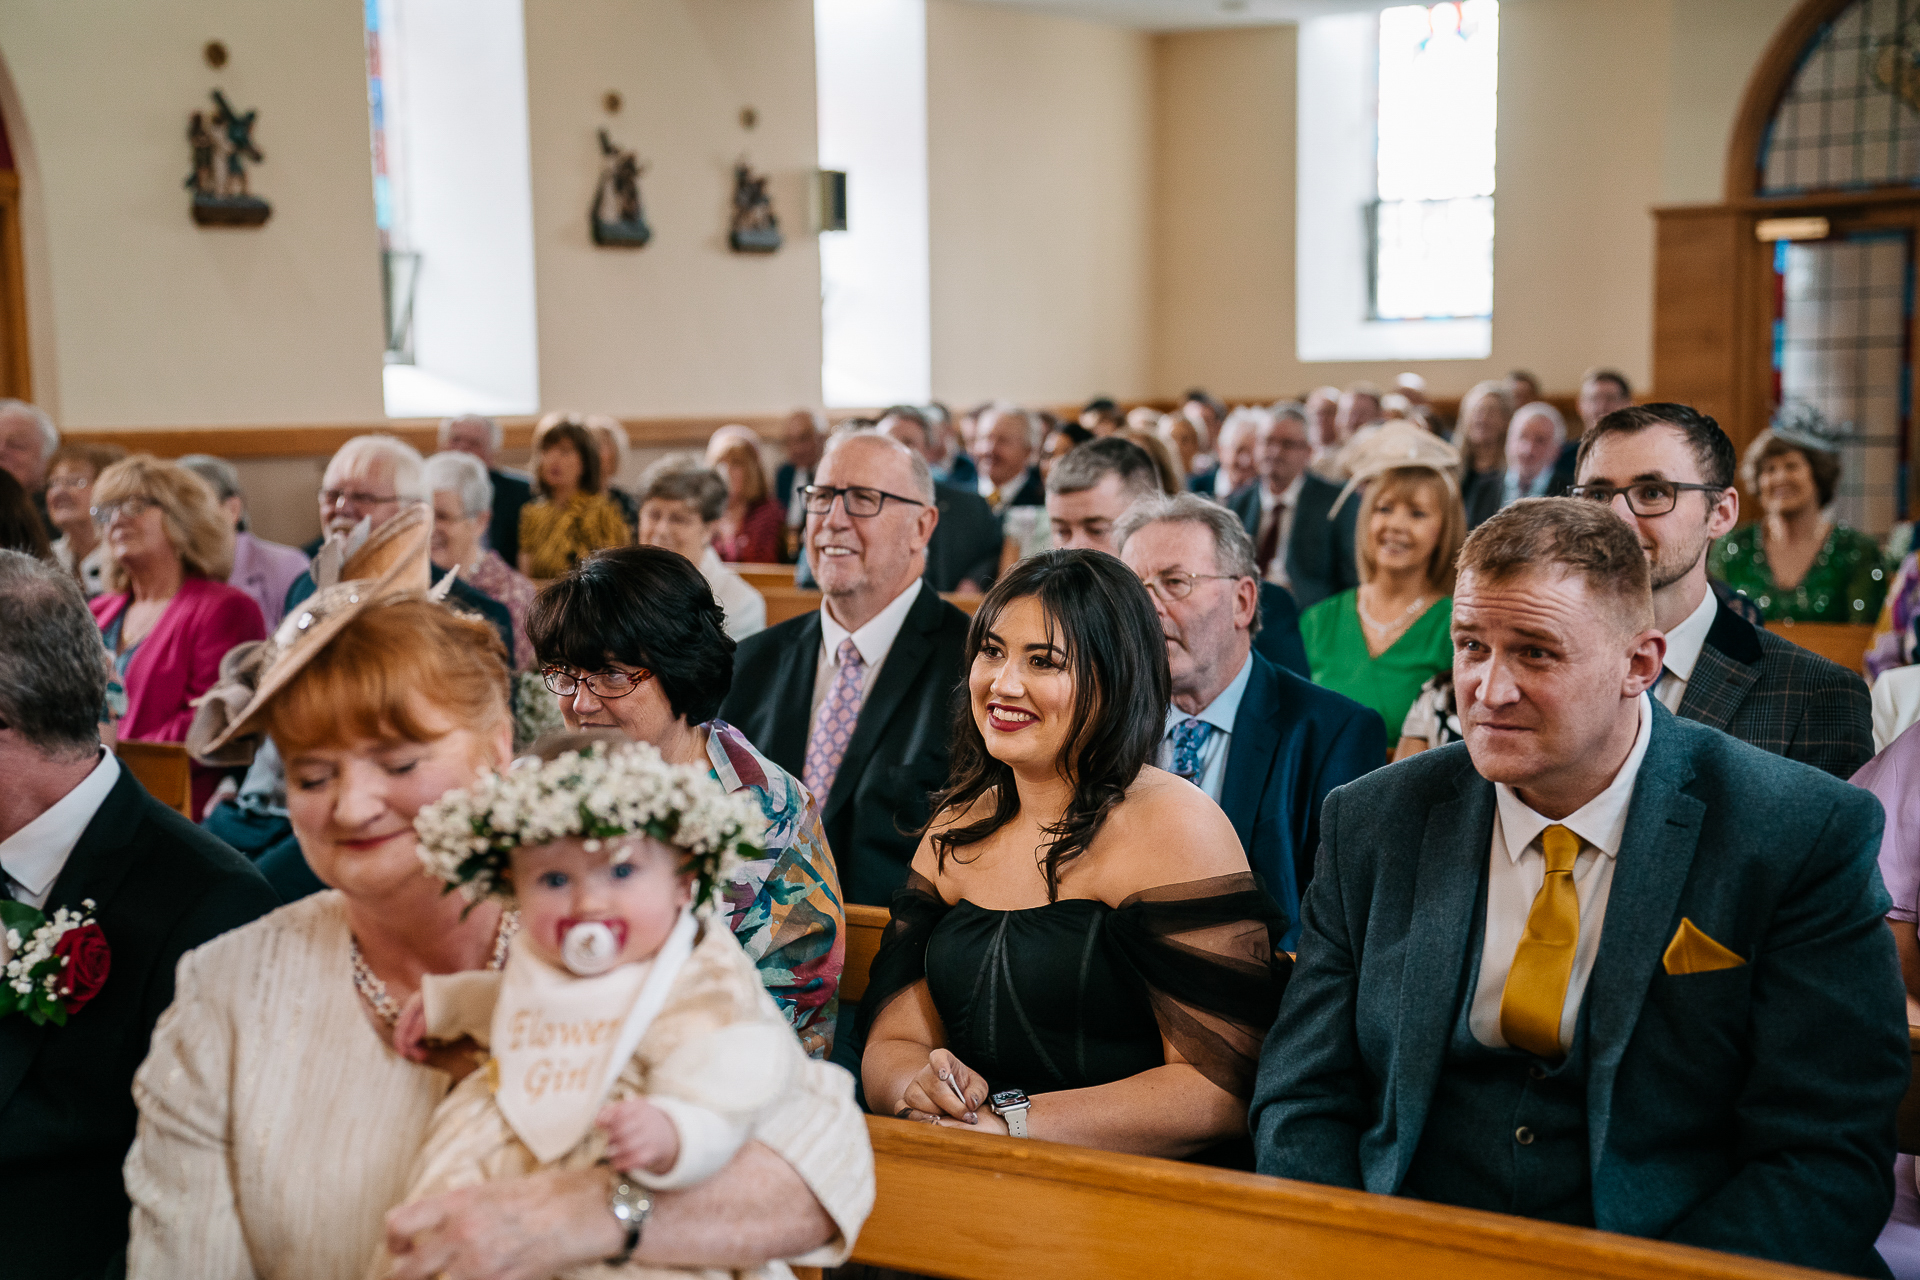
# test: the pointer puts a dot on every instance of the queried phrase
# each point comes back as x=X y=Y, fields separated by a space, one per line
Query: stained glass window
x=1851 y=116
x=1432 y=227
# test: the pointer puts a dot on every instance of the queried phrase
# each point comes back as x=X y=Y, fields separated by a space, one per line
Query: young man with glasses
x=1667 y=470
x=1266 y=745
x=855 y=698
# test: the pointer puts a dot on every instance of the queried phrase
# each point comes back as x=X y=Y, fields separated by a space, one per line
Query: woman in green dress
x=1379 y=643
x=1793 y=562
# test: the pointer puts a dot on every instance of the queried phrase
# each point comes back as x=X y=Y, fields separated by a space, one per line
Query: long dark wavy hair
x=1098 y=612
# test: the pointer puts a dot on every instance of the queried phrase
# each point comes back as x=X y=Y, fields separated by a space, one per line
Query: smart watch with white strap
x=1011 y=1105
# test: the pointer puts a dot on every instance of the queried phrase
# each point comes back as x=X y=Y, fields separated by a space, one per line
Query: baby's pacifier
x=590 y=947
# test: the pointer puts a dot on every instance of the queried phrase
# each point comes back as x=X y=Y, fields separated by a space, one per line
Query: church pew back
x=1843 y=642
x=864 y=927
x=759 y=576
x=163 y=769
x=975 y=1207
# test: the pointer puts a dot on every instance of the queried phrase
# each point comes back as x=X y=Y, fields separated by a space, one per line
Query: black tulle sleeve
x=902 y=959
x=1206 y=952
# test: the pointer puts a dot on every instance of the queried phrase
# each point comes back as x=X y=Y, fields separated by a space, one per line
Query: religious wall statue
x=617 y=217
x=224 y=141
x=755 y=228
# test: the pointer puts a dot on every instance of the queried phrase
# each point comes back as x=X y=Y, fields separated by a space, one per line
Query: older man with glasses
x=1266 y=745
x=1667 y=470
x=855 y=698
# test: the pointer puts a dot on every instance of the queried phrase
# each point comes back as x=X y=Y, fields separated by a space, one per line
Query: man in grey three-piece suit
x=1596 y=964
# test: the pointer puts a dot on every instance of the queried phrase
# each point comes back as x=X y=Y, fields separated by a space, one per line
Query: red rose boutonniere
x=53 y=964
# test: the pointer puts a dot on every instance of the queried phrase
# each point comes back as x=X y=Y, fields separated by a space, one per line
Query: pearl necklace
x=1394 y=624
x=374 y=991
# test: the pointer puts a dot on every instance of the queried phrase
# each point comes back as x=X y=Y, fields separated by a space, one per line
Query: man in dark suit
x=856 y=699
x=964 y=554
x=803 y=435
x=1596 y=964
x=1668 y=471
x=1267 y=745
x=1006 y=451
x=480 y=436
x=1097 y=483
x=1299 y=542
x=78 y=832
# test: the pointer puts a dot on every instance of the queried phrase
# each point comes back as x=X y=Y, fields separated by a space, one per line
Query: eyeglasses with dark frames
x=1644 y=497
x=858 y=499
x=604 y=685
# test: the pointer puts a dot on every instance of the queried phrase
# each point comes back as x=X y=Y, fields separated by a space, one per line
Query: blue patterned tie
x=1189 y=740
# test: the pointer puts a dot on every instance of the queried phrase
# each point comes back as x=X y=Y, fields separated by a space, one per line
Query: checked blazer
x=1781 y=698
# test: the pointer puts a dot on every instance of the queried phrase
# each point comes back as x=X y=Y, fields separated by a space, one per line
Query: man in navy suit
x=1288 y=512
x=1098 y=482
x=1006 y=449
x=1596 y=964
x=804 y=436
x=1266 y=744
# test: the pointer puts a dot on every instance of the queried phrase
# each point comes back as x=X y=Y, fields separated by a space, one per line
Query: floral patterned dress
x=786 y=909
x=1847 y=582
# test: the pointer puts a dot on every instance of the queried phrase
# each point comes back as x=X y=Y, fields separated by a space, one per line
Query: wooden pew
x=760 y=576
x=864 y=927
x=784 y=603
x=967 y=602
x=164 y=769
x=1844 y=642
x=975 y=1207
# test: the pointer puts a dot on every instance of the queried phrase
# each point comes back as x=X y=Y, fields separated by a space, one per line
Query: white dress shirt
x=874 y=641
x=1517 y=869
x=1219 y=713
x=33 y=857
x=1288 y=502
x=1684 y=643
x=745 y=608
x=1000 y=496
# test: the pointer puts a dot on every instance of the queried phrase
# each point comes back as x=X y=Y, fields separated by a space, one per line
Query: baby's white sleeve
x=460 y=1004
x=713 y=1089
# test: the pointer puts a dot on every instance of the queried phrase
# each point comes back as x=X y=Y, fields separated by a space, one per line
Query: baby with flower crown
x=623 y=1028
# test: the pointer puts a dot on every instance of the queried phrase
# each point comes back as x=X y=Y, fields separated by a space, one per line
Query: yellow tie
x=1536 y=986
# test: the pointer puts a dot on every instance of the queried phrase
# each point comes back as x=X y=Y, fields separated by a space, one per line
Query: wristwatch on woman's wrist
x=630 y=1206
x=1011 y=1105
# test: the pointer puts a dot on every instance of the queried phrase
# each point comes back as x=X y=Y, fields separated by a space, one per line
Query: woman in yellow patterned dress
x=572 y=517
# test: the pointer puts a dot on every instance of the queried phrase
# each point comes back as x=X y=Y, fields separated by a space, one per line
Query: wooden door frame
x=16 y=360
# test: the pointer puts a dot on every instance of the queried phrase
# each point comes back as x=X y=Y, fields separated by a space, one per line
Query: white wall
x=877 y=341
x=463 y=109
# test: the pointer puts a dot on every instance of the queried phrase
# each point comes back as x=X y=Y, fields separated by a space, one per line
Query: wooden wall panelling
x=16 y=367
x=1699 y=309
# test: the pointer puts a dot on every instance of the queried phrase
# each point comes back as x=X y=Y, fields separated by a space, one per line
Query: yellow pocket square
x=1692 y=951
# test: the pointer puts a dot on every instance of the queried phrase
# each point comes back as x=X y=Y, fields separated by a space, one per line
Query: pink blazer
x=180 y=659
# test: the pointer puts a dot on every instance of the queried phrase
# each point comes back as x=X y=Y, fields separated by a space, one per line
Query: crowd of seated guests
x=1104 y=808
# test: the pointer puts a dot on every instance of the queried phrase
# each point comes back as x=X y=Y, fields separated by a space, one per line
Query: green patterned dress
x=1847 y=582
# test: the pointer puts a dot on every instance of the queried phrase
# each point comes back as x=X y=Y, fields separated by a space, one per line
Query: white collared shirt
x=998 y=496
x=1220 y=713
x=1684 y=644
x=1288 y=500
x=1517 y=868
x=33 y=857
x=874 y=641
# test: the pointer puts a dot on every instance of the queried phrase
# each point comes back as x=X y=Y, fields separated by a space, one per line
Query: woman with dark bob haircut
x=633 y=641
x=1080 y=942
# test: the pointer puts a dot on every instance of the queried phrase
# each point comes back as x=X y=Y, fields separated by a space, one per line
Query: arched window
x=1850 y=116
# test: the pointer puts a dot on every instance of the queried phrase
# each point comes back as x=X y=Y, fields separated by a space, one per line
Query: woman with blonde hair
x=277 y=1122
x=749 y=529
x=167 y=615
x=1380 y=642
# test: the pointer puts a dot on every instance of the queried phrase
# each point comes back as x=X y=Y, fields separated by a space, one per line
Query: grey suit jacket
x=1748 y=1109
x=1779 y=697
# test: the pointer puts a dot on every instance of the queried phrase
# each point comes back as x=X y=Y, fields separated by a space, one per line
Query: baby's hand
x=410 y=1030
x=640 y=1136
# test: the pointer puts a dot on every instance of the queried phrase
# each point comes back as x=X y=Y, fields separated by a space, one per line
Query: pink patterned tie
x=834 y=729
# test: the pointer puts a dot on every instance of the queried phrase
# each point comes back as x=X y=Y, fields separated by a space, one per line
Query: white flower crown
x=600 y=793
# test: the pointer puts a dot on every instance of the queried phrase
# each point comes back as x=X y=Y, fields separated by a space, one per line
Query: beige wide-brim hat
x=1394 y=444
x=355 y=573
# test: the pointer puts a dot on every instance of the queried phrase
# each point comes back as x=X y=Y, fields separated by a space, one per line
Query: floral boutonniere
x=55 y=964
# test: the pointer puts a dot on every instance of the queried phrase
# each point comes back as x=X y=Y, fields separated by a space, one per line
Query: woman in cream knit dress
x=277 y=1125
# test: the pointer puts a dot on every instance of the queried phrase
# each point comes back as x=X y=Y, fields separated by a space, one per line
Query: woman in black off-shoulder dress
x=1080 y=926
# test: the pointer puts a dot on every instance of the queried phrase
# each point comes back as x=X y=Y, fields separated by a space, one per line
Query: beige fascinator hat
x=1394 y=444
x=352 y=573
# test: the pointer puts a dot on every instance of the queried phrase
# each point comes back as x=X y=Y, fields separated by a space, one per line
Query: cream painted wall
x=684 y=325
x=153 y=319
x=1714 y=47
x=1040 y=165
x=1583 y=104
